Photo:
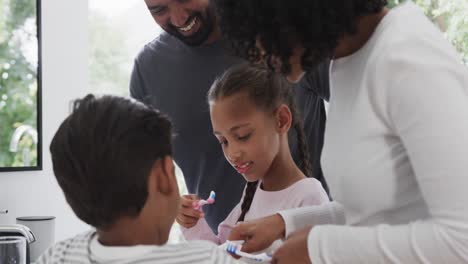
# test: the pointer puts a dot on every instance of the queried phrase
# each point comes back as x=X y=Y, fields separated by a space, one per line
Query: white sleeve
x=327 y=213
x=427 y=104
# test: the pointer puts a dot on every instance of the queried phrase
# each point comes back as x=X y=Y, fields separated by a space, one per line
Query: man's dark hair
x=102 y=155
x=279 y=25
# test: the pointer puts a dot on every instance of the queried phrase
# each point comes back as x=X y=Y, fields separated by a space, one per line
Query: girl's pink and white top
x=306 y=192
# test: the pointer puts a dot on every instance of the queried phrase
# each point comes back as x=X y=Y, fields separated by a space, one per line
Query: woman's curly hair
x=279 y=25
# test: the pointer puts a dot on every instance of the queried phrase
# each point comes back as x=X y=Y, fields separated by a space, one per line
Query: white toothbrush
x=234 y=247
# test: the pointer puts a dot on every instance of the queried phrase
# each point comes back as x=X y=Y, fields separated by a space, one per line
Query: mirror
x=20 y=85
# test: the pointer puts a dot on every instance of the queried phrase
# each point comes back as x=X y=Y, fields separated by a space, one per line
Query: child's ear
x=283 y=119
x=166 y=182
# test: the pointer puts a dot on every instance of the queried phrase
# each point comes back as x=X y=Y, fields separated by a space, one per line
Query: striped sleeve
x=46 y=257
x=74 y=249
x=219 y=256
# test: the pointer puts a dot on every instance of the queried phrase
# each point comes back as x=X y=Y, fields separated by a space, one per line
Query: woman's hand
x=188 y=217
x=260 y=233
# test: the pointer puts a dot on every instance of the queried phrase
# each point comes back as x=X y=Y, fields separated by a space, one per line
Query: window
x=118 y=30
x=20 y=85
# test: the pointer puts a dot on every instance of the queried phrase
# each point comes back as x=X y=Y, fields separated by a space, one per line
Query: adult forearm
x=328 y=213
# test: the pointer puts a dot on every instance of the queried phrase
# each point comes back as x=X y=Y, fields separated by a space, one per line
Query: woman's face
x=248 y=136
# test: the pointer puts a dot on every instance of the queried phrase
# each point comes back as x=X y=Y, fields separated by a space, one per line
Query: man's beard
x=207 y=24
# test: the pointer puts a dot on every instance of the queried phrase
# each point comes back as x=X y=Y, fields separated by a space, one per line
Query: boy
x=112 y=157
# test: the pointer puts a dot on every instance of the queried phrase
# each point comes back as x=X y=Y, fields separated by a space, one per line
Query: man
x=174 y=73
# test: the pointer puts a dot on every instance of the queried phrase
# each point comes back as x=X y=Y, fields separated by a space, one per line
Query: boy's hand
x=259 y=234
x=188 y=216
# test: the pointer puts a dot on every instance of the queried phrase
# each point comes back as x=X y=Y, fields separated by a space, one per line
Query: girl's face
x=249 y=137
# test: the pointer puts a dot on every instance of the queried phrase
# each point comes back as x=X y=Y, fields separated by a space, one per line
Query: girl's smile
x=243 y=168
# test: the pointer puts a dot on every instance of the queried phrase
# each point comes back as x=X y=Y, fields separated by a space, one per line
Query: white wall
x=65 y=77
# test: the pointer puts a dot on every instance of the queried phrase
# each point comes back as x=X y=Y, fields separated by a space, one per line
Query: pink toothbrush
x=211 y=199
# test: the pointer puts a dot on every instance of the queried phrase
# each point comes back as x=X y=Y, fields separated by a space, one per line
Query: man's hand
x=259 y=234
x=294 y=249
x=187 y=216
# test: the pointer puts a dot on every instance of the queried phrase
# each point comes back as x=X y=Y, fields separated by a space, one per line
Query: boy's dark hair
x=280 y=24
x=102 y=155
x=267 y=90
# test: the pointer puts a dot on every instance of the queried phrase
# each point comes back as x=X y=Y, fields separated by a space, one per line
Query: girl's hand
x=188 y=217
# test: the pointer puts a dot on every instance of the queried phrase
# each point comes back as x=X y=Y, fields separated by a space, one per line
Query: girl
x=252 y=110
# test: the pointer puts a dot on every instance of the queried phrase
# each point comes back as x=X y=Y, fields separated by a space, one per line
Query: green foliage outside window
x=18 y=84
x=108 y=57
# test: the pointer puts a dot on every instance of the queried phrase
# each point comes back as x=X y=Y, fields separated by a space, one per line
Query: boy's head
x=112 y=159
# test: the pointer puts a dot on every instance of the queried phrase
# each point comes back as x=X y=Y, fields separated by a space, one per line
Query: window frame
x=38 y=166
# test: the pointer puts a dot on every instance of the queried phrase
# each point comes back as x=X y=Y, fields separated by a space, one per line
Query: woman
x=398 y=101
